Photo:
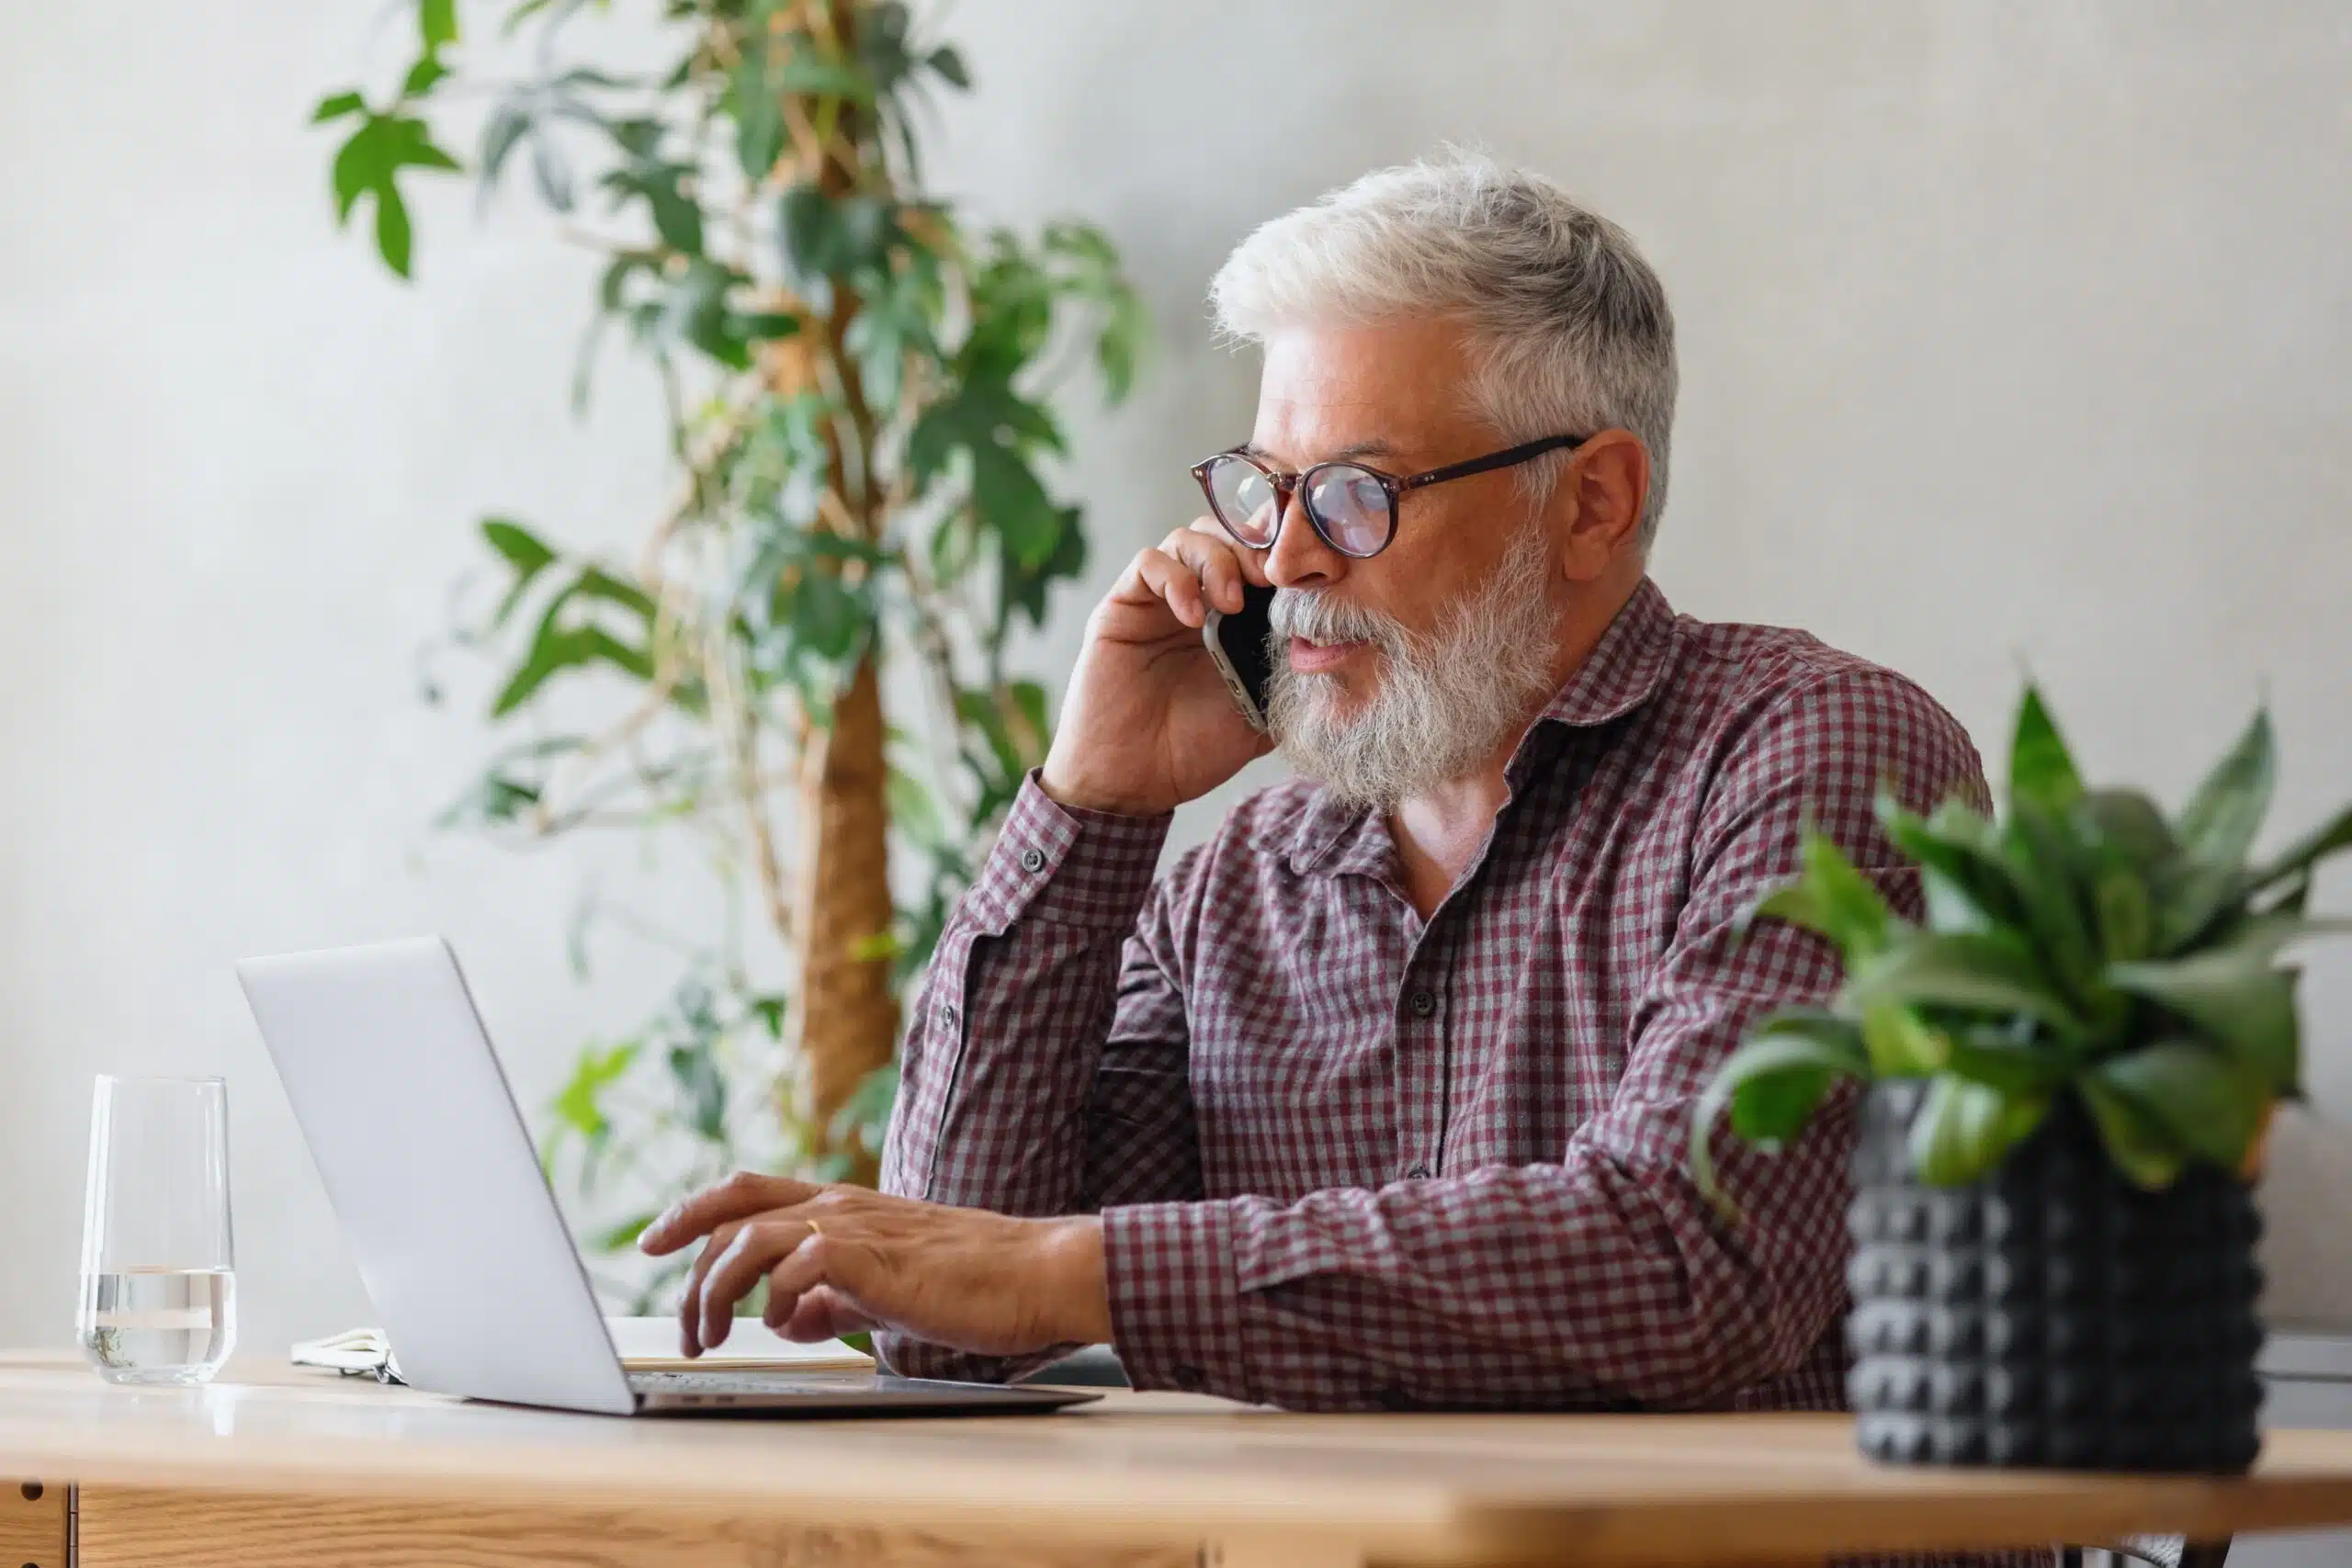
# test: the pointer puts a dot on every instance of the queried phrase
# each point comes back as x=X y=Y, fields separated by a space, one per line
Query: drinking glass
x=159 y=1291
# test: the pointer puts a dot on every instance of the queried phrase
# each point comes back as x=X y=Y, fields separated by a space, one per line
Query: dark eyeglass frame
x=1286 y=486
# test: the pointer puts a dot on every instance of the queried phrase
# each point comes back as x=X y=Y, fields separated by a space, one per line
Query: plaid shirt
x=1348 y=1159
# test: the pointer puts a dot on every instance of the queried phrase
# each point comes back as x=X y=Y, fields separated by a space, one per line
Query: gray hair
x=1570 y=332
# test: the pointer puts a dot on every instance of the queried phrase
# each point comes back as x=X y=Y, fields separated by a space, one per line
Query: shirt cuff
x=1175 y=1301
x=1072 y=866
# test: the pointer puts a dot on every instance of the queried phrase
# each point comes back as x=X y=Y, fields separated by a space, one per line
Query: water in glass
x=159 y=1295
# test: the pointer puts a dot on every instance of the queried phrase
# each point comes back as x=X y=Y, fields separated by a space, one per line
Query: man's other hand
x=840 y=1260
x=1147 y=723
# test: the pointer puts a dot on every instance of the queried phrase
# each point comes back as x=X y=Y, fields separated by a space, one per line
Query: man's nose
x=1298 y=557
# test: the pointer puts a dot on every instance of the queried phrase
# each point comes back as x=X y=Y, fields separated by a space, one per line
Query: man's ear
x=1597 y=504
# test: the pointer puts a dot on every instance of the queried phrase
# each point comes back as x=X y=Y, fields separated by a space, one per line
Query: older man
x=1380 y=1098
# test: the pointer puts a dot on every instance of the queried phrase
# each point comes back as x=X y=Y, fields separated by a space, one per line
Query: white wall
x=2013 y=335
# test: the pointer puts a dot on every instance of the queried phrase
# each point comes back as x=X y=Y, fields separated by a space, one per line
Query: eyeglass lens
x=1352 y=505
x=1245 y=501
x=1348 y=504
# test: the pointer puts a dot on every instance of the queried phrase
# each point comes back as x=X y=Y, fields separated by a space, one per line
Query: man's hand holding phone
x=1147 y=722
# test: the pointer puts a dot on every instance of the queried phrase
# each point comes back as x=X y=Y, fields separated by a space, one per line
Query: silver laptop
x=440 y=1195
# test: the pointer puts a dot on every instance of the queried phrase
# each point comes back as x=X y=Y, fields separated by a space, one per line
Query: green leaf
x=696 y=1071
x=523 y=549
x=422 y=77
x=1860 y=921
x=2327 y=838
x=494 y=798
x=369 y=163
x=982 y=710
x=1008 y=498
x=811 y=231
x=769 y=1011
x=337 y=105
x=1965 y=1129
x=555 y=648
x=949 y=67
x=359 y=166
x=623 y=1237
x=2209 y=1103
x=1968 y=883
x=2127 y=922
x=392 y=233
x=2001 y=1060
x=913 y=811
x=827 y=236
x=1982 y=973
x=865 y=1114
x=551 y=172
x=2232 y=995
x=2274 y=931
x=1901 y=1045
x=955 y=546
x=1024 y=590
x=2219 y=824
x=2148 y=1155
x=808 y=72
x=506 y=127
x=1773 y=1083
x=1033 y=732
x=696 y=313
x=873 y=947
x=595 y=582
x=1832 y=899
x=2192 y=897
x=577 y=1104
x=2127 y=824
x=677 y=217
x=437 y=23
x=1119 y=348
x=2050 y=868
x=759 y=117
x=827 y=618
x=2041 y=770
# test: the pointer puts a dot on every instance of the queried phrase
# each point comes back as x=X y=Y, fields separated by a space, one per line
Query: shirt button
x=1423 y=1003
x=1418 y=1173
x=1189 y=1379
x=948 y=1013
x=1032 y=858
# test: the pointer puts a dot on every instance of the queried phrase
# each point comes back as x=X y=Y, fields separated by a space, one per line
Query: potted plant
x=2069 y=1070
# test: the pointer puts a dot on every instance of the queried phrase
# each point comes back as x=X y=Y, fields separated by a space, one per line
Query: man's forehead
x=1359 y=391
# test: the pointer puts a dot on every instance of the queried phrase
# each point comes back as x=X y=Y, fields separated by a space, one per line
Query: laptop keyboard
x=746 y=1383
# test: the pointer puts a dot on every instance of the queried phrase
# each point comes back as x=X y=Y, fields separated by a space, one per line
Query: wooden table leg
x=36 y=1524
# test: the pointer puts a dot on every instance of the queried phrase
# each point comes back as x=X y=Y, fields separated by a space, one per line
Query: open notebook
x=646 y=1345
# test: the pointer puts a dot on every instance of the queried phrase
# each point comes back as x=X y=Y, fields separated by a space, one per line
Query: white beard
x=1446 y=700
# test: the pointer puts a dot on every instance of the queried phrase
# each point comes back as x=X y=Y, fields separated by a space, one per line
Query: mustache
x=1318 y=617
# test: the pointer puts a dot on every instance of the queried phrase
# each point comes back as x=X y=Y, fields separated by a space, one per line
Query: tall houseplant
x=2071 y=1068
x=857 y=400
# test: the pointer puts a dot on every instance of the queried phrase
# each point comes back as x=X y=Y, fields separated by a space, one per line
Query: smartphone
x=1238 y=643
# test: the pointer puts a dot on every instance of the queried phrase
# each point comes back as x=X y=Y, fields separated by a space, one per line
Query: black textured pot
x=2050 y=1314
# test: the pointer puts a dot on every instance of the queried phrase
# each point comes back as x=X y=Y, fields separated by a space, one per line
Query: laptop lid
x=433 y=1175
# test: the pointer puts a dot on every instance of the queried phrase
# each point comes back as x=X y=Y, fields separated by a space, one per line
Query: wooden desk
x=280 y=1468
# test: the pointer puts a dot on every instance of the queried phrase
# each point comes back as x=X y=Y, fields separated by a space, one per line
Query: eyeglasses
x=1351 y=507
